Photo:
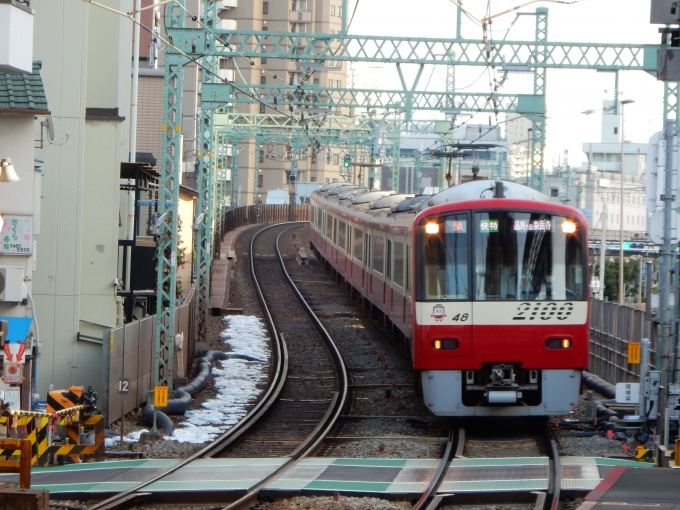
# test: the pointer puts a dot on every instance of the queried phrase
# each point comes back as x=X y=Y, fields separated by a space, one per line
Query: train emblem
x=438 y=312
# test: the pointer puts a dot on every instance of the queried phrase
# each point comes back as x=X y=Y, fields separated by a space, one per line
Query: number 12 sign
x=123 y=386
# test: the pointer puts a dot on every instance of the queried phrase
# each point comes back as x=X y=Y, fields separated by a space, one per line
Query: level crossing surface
x=374 y=476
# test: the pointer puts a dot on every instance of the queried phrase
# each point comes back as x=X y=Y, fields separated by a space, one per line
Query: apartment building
x=306 y=16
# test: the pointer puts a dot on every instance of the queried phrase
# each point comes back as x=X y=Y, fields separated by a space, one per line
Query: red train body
x=485 y=282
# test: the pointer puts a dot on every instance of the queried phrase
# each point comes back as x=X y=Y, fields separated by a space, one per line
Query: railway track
x=273 y=427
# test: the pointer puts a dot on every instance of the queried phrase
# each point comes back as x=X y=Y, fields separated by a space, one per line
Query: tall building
x=307 y=16
x=519 y=142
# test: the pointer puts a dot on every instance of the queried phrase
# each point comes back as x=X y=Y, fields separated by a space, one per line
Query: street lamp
x=529 y=130
x=622 y=292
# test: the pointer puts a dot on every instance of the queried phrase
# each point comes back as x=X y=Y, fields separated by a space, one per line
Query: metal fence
x=612 y=328
x=129 y=352
x=251 y=214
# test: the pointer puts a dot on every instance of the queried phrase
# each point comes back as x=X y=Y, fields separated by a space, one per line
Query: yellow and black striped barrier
x=44 y=426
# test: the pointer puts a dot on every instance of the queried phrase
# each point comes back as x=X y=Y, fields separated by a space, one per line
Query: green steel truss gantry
x=310 y=50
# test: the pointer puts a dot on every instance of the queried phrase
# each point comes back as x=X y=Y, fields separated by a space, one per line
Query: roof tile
x=23 y=91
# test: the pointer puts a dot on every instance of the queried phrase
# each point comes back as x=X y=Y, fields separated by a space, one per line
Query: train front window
x=527 y=257
x=444 y=260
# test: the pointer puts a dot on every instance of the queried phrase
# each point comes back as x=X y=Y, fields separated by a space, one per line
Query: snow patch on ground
x=236 y=379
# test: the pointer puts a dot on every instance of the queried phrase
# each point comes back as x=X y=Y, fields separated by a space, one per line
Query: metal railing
x=612 y=328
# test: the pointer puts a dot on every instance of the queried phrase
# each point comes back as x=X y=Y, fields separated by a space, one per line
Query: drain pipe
x=181 y=397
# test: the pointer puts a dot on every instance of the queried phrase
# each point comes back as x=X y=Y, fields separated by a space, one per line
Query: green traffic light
x=626 y=246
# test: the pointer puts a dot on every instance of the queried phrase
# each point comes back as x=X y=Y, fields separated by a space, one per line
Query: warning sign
x=12 y=373
x=634 y=353
x=160 y=396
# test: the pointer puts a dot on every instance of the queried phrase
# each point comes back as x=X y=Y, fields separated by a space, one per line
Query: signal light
x=347 y=161
x=445 y=345
x=432 y=228
x=568 y=227
x=558 y=343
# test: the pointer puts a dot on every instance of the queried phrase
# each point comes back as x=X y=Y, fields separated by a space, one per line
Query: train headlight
x=432 y=228
x=568 y=227
x=445 y=345
x=558 y=343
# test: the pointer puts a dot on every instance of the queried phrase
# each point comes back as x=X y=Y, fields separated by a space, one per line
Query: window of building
x=260 y=181
x=265 y=29
x=339 y=84
x=261 y=156
x=335 y=180
x=554 y=192
x=332 y=10
x=262 y=108
x=336 y=159
x=328 y=180
x=263 y=80
x=316 y=81
x=314 y=157
x=263 y=60
x=265 y=7
x=313 y=179
x=616 y=131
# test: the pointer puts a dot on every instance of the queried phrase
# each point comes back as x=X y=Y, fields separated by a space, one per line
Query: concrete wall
x=85 y=53
x=19 y=198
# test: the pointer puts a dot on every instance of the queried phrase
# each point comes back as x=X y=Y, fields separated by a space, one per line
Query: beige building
x=85 y=52
x=319 y=16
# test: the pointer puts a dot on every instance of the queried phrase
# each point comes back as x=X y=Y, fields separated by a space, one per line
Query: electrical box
x=665 y=12
x=674 y=401
x=12 y=286
x=668 y=64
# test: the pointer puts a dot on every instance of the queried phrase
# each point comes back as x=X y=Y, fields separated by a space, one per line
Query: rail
x=430 y=499
x=313 y=442
x=280 y=370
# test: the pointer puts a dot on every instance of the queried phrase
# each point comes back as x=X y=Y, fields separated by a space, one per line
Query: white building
x=85 y=52
x=22 y=100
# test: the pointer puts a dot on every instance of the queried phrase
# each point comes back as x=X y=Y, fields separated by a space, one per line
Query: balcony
x=226 y=74
x=300 y=16
x=226 y=4
x=226 y=24
x=16 y=37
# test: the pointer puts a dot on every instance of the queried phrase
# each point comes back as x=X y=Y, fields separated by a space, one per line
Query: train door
x=368 y=277
x=387 y=288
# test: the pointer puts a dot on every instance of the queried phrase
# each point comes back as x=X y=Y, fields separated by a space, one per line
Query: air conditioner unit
x=12 y=286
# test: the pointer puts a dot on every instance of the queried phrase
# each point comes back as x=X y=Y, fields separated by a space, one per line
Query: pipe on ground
x=181 y=400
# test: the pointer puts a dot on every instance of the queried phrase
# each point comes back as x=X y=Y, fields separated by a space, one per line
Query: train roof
x=482 y=189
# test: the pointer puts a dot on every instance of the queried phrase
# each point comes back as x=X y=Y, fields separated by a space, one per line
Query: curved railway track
x=292 y=381
x=303 y=384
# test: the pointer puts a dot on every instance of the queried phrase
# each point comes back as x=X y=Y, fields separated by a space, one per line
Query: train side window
x=378 y=260
x=329 y=226
x=367 y=258
x=348 y=249
x=335 y=231
x=359 y=244
x=399 y=263
x=408 y=268
x=342 y=229
x=388 y=261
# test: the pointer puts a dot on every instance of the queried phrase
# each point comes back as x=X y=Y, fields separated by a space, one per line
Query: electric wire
x=352 y=18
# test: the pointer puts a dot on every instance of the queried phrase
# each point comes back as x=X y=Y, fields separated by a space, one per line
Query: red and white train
x=486 y=283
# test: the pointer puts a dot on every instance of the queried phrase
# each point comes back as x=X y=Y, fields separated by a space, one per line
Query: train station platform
x=376 y=477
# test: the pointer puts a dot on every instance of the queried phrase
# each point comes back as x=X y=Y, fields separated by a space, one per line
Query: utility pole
x=665 y=283
x=603 y=247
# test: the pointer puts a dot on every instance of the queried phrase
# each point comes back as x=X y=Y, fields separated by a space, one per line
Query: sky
x=569 y=92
